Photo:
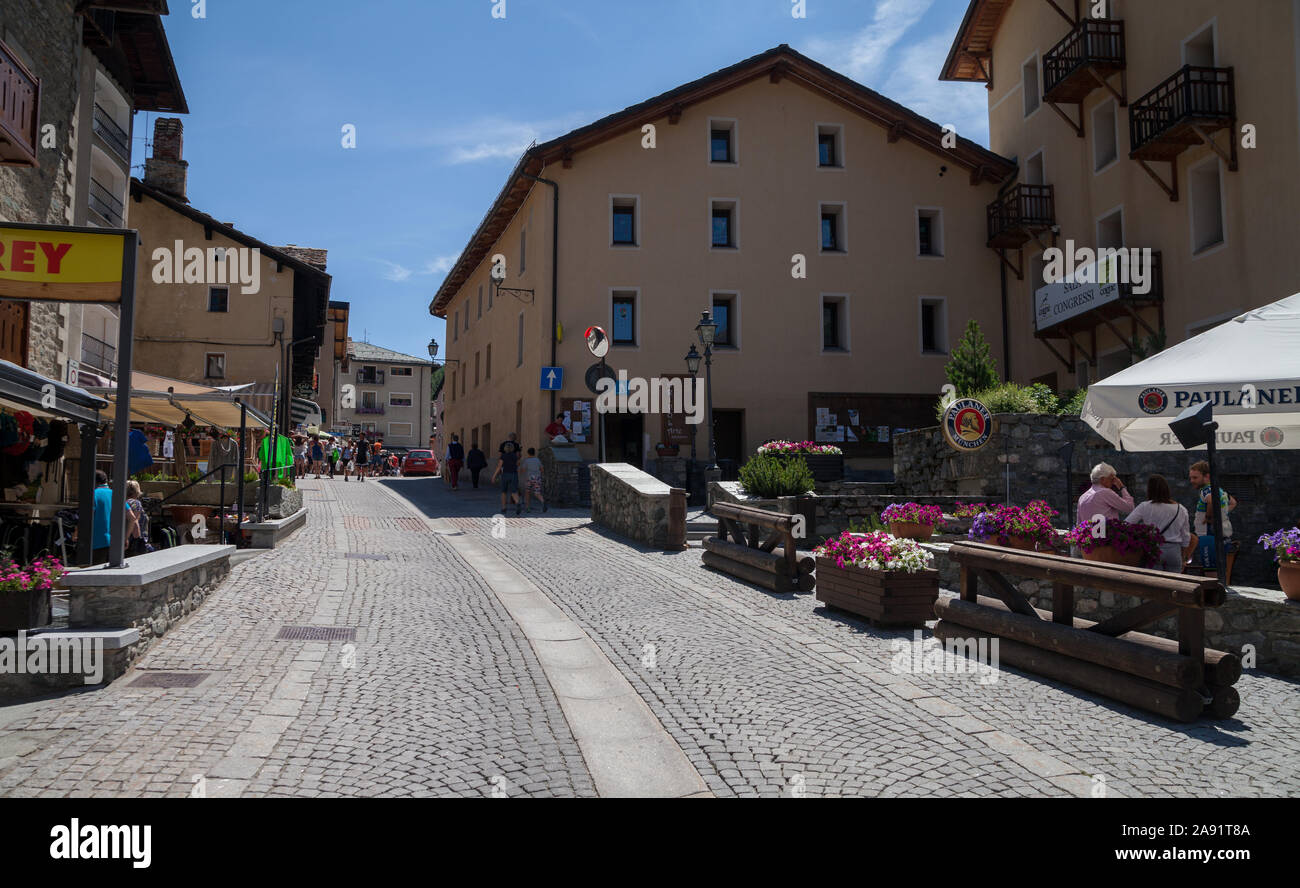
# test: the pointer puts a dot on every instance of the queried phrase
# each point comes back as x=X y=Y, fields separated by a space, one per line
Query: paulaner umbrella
x=1248 y=367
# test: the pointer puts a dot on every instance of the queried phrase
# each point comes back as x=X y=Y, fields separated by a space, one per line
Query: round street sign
x=594 y=374
x=967 y=424
x=597 y=341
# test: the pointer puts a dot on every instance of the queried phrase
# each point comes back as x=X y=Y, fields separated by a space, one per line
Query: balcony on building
x=19 y=111
x=1020 y=215
x=370 y=376
x=96 y=354
x=1122 y=308
x=1082 y=60
x=116 y=138
x=1184 y=110
x=370 y=411
x=107 y=204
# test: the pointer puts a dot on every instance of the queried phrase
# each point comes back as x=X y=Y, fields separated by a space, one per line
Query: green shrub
x=1073 y=404
x=868 y=524
x=772 y=476
x=971 y=367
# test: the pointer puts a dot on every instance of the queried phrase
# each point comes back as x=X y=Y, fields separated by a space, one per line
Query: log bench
x=773 y=563
x=1178 y=679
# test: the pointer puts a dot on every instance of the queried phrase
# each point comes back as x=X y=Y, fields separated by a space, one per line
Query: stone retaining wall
x=634 y=504
x=1261 y=617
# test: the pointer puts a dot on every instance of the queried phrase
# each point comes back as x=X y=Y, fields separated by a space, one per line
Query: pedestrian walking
x=476 y=462
x=1201 y=550
x=362 y=458
x=508 y=472
x=455 y=459
x=349 y=465
x=1160 y=511
x=317 y=456
x=532 y=473
x=336 y=456
x=100 y=530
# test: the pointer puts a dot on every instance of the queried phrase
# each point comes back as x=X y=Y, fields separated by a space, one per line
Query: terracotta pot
x=911 y=530
x=1288 y=577
x=1019 y=542
x=1110 y=555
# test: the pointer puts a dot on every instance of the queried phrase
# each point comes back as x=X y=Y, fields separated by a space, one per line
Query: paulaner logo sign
x=1154 y=400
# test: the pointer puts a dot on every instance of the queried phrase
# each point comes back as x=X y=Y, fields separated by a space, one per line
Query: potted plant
x=25 y=593
x=825 y=461
x=912 y=521
x=1136 y=545
x=1029 y=528
x=663 y=450
x=1286 y=552
x=884 y=578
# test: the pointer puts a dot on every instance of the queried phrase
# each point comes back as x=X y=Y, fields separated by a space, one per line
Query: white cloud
x=491 y=138
x=441 y=265
x=394 y=272
x=914 y=82
x=862 y=55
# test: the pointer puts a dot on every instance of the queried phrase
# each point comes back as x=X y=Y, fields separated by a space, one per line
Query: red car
x=420 y=462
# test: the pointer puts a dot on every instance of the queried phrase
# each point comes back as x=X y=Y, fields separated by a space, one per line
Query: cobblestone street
x=457 y=683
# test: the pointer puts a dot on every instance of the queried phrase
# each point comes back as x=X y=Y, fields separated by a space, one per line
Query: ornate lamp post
x=706 y=329
x=693 y=365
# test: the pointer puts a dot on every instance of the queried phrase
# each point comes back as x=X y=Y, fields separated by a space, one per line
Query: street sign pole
x=122 y=422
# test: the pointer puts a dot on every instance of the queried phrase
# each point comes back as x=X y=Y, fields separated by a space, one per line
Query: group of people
x=330 y=457
x=1184 y=539
x=519 y=474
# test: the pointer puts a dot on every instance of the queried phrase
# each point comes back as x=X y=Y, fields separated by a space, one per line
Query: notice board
x=865 y=424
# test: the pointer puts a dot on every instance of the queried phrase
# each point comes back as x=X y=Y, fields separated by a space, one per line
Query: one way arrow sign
x=552 y=379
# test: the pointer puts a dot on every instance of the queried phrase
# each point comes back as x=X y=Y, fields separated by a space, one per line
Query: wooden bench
x=750 y=557
x=1179 y=679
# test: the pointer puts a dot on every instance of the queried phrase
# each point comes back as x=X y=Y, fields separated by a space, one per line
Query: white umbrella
x=1248 y=367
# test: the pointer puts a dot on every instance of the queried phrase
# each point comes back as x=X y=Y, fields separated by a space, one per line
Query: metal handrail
x=110 y=206
x=107 y=128
x=1091 y=41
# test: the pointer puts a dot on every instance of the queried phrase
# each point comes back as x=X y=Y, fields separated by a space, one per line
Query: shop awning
x=40 y=395
x=157 y=399
x=1248 y=367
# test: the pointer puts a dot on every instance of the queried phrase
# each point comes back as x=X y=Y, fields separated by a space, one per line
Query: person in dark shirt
x=455 y=459
x=508 y=471
x=476 y=462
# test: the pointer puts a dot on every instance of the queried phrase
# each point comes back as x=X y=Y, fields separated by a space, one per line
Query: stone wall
x=1261 y=617
x=634 y=504
x=1024 y=461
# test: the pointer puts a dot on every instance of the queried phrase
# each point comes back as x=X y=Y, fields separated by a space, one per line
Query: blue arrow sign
x=552 y=379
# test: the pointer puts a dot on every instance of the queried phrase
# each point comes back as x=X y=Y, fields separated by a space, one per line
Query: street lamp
x=693 y=365
x=433 y=354
x=498 y=277
x=706 y=329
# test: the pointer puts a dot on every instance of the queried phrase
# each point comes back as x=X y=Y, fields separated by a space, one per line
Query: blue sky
x=444 y=98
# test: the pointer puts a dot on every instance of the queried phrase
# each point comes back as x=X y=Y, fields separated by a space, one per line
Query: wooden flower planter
x=884 y=597
x=911 y=530
x=1111 y=555
x=20 y=611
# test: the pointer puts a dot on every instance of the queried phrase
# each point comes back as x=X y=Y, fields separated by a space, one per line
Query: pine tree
x=972 y=367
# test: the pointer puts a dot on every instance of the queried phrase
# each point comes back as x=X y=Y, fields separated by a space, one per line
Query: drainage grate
x=169 y=680
x=365 y=556
x=317 y=633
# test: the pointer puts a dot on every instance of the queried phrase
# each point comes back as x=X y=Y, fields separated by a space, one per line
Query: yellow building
x=835 y=235
x=1169 y=125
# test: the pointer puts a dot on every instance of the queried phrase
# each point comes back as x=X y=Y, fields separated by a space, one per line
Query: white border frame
x=224 y=367
x=839 y=146
x=1123 y=227
x=916 y=220
x=636 y=222
x=1191 y=209
x=735 y=225
x=734 y=295
x=636 y=318
x=1213 y=26
x=521 y=334
x=1036 y=58
x=843 y=228
x=392 y=434
x=410 y=395
x=212 y=287
x=846 y=328
x=1040 y=151
x=1092 y=119
x=735 y=142
x=941 y=336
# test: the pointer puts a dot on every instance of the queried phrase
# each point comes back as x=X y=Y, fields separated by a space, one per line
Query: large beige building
x=1172 y=125
x=387 y=394
x=837 y=237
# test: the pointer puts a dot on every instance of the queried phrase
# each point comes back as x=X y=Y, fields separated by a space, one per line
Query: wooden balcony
x=20 y=104
x=1083 y=60
x=1020 y=215
x=1165 y=122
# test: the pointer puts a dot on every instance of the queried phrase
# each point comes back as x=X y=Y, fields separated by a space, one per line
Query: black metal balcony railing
x=106 y=203
x=107 y=129
x=1160 y=122
x=376 y=411
x=97 y=354
x=372 y=377
x=1023 y=209
x=1093 y=42
x=19 y=106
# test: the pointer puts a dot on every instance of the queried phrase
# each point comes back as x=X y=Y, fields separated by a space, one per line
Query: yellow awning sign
x=60 y=265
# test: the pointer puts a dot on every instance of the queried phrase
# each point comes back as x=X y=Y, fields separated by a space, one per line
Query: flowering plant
x=39 y=576
x=914 y=513
x=1033 y=522
x=970 y=510
x=875 y=551
x=800 y=447
x=1285 y=545
x=1124 y=536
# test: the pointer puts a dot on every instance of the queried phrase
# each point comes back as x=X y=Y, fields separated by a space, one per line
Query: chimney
x=166 y=171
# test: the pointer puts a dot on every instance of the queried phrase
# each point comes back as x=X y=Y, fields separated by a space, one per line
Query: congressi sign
x=60 y=264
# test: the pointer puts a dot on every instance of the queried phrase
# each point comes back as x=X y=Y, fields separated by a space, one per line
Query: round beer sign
x=967 y=424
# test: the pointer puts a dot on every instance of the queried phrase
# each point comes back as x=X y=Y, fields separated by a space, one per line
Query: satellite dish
x=593 y=376
x=597 y=341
